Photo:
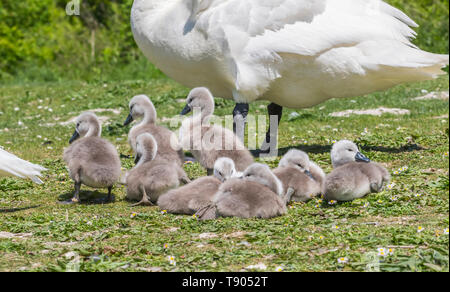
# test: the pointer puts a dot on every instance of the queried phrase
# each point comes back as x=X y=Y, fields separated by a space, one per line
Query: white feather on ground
x=11 y=165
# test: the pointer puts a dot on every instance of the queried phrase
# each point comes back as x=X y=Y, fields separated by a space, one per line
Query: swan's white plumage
x=294 y=53
x=11 y=165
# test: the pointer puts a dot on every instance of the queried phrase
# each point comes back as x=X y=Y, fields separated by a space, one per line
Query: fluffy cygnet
x=302 y=179
x=198 y=194
x=208 y=142
x=91 y=160
x=258 y=194
x=141 y=107
x=153 y=175
x=354 y=175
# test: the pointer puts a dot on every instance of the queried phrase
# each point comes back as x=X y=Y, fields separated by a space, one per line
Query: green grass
x=106 y=238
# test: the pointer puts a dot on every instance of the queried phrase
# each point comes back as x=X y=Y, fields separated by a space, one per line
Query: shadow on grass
x=13 y=210
x=87 y=198
x=402 y=149
x=320 y=149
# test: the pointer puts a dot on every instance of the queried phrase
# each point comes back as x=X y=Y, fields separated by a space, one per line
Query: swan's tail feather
x=442 y=61
x=11 y=165
x=397 y=63
x=422 y=66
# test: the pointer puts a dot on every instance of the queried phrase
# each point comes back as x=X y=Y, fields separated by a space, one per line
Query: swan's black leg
x=240 y=113
x=275 y=112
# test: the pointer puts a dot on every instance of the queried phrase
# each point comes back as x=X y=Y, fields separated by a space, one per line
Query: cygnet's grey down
x=354 y=175
x=258 y=194
x=302 y=179
x=208 y=142
x=91 y=160
x=153 y=175
x=192 y=197
x=141 y=107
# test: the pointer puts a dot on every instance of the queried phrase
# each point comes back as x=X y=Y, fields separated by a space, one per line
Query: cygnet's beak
x=308 y=173
x=187 y=109
x=136 y=160
x=128 y=120
x=75 y=136
x=361 y=158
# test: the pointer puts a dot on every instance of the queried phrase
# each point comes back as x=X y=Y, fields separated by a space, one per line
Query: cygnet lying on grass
x=258 y=194
x=153 y=175
x=354 y=175
x=302 y=179
x=192 y=197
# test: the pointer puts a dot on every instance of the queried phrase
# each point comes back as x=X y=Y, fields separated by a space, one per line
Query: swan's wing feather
x=254 y=17
x=254 y=39
x=343 y=23
x=233 y=32
x=397 y=13
x=331 y=21
x=11 y=165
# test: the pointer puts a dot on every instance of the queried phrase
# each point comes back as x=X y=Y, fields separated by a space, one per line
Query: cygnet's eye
x=78 y=124
x=351 y=150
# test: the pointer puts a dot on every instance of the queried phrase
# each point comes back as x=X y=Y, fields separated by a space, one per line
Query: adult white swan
x=11 y=165
x=295 y=54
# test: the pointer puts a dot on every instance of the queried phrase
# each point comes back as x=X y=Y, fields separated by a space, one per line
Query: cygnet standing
x=198 y=194
x=153 y=175
x=91 y=160
x=258 y=194
x=208 y=142
x=354 y=175
x=302 y=179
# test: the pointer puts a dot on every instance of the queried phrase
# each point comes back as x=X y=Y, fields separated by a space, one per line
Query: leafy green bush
x=38 y=41
x=433 y=19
